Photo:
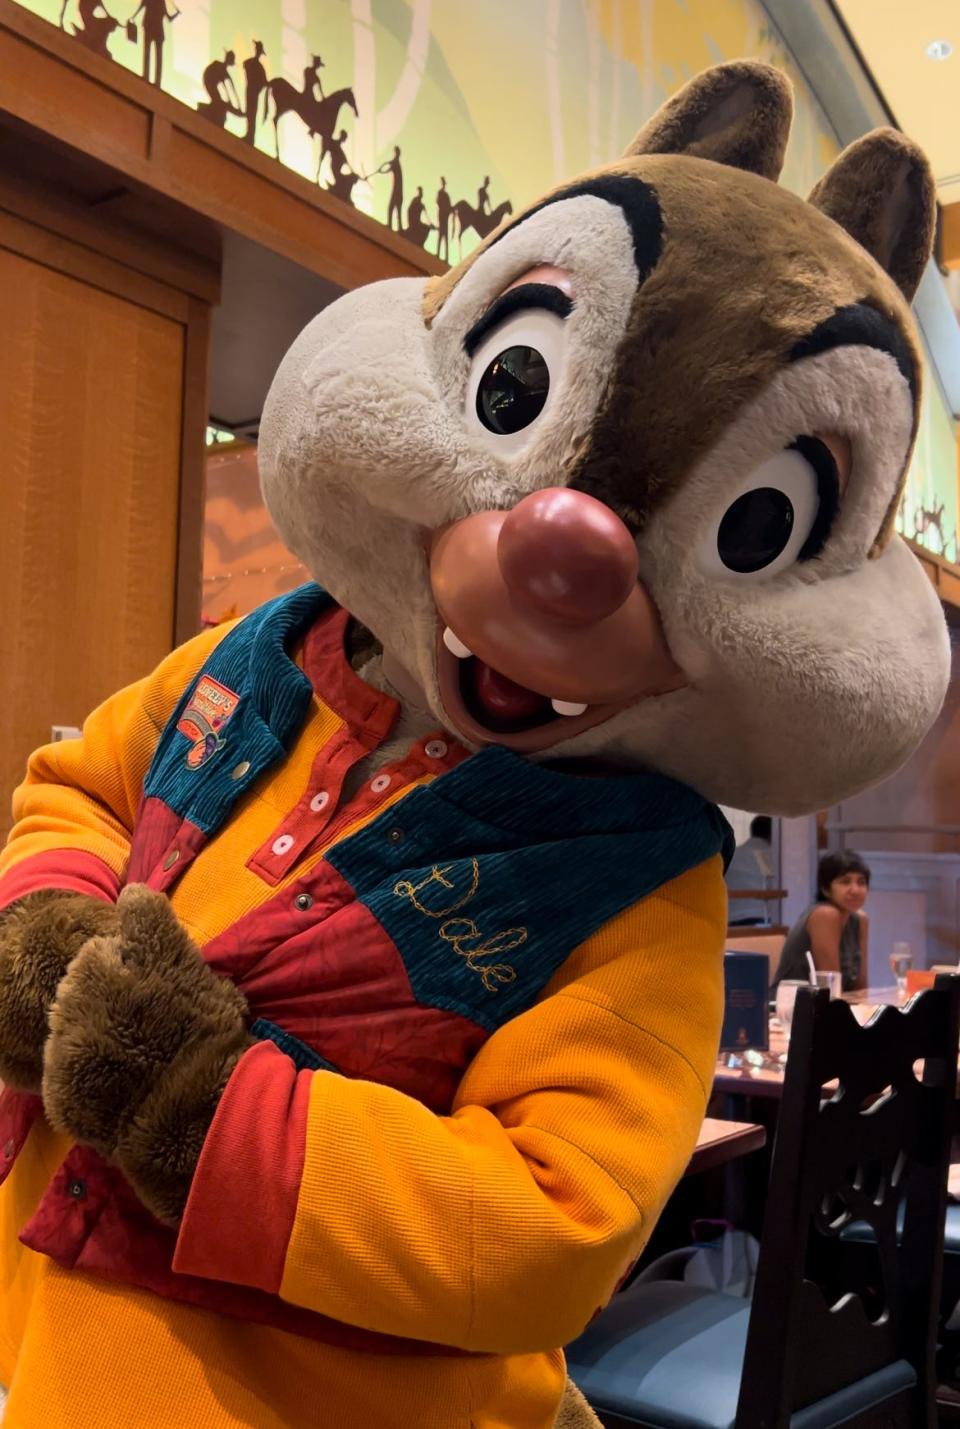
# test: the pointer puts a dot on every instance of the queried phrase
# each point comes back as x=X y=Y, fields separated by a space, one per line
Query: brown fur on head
x=720 y=328
x=880 y=191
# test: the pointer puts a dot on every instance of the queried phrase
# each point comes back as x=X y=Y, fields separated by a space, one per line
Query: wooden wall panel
x=91 y=388
x=244 y=561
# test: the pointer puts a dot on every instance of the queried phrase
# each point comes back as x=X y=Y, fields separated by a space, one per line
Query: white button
x=282 y=845
x=320 y=801
x=436 y=749
x=381 y=782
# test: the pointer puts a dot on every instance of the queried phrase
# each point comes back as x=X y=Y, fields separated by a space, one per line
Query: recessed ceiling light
x=939 y=50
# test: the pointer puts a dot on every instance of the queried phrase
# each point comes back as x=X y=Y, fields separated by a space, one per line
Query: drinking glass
x=900 y=960
x=832 y=981
x=786 y=997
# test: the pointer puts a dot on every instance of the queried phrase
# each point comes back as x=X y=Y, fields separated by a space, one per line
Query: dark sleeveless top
x=793 y=959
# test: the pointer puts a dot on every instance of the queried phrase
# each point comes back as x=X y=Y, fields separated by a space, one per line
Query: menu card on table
x=746 y=980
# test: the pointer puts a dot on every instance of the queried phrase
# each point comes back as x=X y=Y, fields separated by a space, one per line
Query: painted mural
x=439 y=117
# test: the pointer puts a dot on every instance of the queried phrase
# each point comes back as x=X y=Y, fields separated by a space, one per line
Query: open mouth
x=490 y=708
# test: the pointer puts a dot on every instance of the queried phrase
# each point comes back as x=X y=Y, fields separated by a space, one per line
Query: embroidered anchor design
x=462 y=934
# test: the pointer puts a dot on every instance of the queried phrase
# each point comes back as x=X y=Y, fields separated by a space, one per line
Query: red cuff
x=243 y=1200
x=18 y=1112
x=68 y=869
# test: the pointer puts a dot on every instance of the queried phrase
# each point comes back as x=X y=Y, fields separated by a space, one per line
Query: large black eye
x=783 y=516
x=516 y=375
x=513 y=390
x=755 y=529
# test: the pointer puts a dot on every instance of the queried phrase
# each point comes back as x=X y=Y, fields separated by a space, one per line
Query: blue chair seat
x=670 y=1355
x=951 y=1233
x=862 y=1231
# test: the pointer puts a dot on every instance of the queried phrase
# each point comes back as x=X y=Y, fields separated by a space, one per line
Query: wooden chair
x=858 y=1134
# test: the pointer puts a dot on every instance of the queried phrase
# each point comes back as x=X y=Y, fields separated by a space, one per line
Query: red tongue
x=501 y=698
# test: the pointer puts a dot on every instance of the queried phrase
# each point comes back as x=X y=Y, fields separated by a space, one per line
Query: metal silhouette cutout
x=155 y=17
x=222 y=97
x=265 y=101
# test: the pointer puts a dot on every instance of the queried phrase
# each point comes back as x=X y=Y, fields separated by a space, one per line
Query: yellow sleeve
x=504 y=1226
x=75 y=810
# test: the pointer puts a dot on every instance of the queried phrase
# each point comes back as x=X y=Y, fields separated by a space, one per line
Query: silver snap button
x=395 y=836
x=170 y=859
x=435 y=749
x=77 y=1189
x=282 y=845
x=303 y=901
x=238 y=771
x=381 y=782
x=320 y=801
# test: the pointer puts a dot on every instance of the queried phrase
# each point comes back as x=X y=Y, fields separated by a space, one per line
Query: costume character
x=361 y=968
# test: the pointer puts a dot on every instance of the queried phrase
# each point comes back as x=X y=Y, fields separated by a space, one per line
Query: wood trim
x=757 y=930
x=94 y=228
x=76 y=99
x=761 y=894
x=943 y=575
x=64 y=256
x=188 y=592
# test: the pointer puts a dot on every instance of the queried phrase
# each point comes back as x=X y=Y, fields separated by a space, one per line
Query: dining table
x=758 y=1072
x=721 y=1142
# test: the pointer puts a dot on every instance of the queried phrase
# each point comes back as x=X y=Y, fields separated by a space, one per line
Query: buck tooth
x=564 y=707
x=455 y=645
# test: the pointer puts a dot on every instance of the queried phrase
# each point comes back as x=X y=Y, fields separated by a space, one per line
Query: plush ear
x=737 y=114
x=882 y=191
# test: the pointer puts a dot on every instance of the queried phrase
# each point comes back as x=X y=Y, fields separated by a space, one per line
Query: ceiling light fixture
x=939 y=50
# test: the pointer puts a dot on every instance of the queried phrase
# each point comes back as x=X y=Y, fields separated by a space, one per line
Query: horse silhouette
x=319 y=115
x=465 y=217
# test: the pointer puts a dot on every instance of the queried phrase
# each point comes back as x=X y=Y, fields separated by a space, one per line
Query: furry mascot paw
x=143 y=1038
x=39 y=935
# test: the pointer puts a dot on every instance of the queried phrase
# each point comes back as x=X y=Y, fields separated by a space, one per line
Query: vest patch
x=210 y=709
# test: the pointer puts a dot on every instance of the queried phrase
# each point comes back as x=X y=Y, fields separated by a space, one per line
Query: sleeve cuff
x=70 y=870
x=242 y=1203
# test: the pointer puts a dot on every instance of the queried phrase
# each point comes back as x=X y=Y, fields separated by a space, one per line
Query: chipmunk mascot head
x=638 y=459
x=365 y=1105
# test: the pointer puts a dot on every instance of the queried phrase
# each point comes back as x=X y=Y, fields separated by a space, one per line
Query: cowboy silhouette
x=155 y=15
x=394 y=167
x=223 y=97
x=417 y=229
x=444 y=206
x=255 y=81
x=312 y=87
x=483 y=196
x=344 y=177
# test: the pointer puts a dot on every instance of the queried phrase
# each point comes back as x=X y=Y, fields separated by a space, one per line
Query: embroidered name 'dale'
x=463 y=934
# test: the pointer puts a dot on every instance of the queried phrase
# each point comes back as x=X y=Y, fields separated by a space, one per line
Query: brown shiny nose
x=568 y=555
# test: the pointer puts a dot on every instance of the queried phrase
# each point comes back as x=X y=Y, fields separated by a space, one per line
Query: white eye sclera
x=774 y=513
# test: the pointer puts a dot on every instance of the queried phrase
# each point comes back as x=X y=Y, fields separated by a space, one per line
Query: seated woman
x=834 y=929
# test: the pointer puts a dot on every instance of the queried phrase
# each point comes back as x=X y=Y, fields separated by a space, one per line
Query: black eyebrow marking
x=860 y=325
x=525 y=295
x=640 y=207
